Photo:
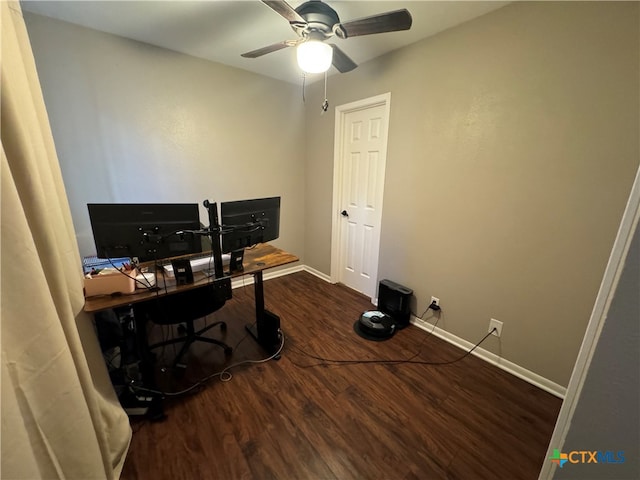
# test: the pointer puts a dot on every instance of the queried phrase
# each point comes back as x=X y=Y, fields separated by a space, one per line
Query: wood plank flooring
x=300 y=418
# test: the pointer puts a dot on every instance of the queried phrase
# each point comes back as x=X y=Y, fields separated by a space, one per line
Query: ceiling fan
x=315 y=22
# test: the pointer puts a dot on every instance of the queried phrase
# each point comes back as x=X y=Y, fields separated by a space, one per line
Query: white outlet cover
x=497 y=324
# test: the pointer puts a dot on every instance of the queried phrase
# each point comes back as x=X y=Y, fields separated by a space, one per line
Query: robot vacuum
x=375 y=325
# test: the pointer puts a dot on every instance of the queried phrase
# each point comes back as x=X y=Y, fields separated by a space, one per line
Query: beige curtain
x=60 y=415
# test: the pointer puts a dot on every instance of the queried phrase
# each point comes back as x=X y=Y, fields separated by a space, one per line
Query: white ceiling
x=221 y=30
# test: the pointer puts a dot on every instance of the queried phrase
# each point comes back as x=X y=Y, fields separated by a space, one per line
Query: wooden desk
x=256 y=261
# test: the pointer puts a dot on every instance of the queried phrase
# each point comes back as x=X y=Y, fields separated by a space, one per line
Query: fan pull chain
x=304 y=81
x=325 y=104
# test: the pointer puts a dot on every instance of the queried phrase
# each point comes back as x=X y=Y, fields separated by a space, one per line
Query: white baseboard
x=510 y=367
x=317 y=273
x=245 y=280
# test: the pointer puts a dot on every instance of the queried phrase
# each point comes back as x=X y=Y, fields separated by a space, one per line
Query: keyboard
x=199 y=264
x=92 y=262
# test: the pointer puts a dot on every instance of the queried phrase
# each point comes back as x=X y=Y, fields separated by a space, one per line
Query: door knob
x=344 y=213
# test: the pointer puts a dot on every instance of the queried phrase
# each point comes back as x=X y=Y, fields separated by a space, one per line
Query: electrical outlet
x=497 y=324
x=435 y=300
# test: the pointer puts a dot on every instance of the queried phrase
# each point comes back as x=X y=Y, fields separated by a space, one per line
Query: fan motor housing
x=318 y=15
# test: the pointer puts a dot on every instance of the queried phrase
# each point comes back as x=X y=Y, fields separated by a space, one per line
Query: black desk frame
x=267 y=328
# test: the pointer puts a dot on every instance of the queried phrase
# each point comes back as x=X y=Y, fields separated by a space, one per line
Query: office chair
x=185 y=308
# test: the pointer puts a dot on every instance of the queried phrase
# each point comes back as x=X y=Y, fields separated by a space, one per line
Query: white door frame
x=336 y=219
x=612 y=274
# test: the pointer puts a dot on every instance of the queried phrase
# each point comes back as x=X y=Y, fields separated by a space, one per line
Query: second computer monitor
x=248 y=222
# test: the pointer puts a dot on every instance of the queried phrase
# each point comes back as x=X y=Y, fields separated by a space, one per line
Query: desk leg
x=265 y=331
x=152 y=402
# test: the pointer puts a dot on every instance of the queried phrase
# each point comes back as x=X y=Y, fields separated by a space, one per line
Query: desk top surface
x=257 y=259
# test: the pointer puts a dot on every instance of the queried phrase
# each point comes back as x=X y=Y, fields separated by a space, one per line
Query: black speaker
x=182 y=271
x=235 y=261
x=394 y=300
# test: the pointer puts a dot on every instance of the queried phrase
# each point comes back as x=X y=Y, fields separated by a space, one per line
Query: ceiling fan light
x=314 y=56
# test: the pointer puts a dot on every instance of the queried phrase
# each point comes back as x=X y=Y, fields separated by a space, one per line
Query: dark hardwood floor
x=297 y=418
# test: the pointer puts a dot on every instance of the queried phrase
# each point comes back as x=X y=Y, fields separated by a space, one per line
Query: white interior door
x=359 y=169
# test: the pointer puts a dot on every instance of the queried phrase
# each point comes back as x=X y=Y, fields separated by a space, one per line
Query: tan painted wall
x=513 y=145
x=136 y=123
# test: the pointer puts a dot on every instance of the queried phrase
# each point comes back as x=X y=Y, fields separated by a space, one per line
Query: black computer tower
x=394 y=300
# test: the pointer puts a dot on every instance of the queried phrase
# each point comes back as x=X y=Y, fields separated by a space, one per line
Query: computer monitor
x=248 y=222
x=148 y=231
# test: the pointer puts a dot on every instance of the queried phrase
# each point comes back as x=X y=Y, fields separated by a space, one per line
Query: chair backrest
x=187 y=305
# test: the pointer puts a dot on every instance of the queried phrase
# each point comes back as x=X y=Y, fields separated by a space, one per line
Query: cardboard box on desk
x=110 y=282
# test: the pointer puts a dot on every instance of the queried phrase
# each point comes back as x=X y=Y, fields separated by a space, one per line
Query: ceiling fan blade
x=341 y=60
x=271 y=48
x=285 y=10
x=384 y=22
